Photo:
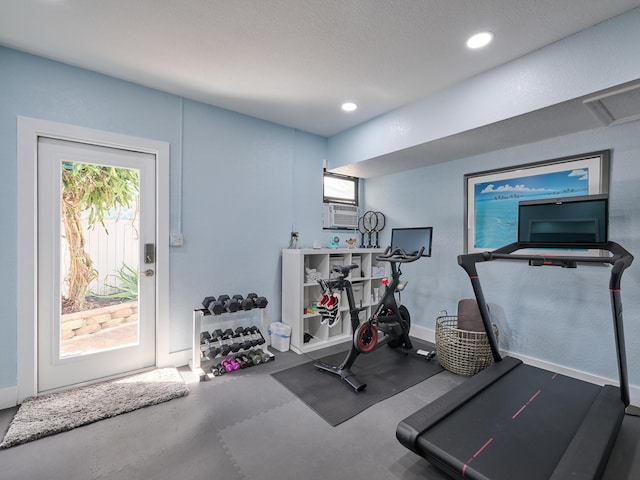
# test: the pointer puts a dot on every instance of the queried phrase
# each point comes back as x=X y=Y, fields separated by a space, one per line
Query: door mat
x=46 y=415
x=385 y=371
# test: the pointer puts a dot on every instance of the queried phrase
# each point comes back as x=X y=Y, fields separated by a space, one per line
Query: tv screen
x=411 y=240
x=575 y=221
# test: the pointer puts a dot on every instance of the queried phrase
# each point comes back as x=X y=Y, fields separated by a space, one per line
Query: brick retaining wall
x=92 y=321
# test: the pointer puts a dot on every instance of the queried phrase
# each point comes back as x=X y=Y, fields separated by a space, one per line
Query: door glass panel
x=99 y=258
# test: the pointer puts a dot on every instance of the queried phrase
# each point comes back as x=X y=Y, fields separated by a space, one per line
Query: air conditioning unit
x=337 y=215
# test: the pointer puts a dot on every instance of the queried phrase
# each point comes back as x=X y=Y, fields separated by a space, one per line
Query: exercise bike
x=388 y=325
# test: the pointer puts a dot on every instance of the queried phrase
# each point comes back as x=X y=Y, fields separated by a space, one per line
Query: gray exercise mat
x=385 y=371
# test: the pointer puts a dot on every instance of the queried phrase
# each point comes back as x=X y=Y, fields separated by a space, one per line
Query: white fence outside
x=109 y=252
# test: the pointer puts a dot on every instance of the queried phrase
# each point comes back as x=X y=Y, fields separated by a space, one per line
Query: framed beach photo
x=492 y=197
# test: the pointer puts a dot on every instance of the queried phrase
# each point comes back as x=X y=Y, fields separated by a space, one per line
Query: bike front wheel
x=366 y=337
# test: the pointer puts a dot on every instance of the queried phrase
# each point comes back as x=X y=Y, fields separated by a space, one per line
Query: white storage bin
x=280 y=335
x=377 y=271
x=358 y=295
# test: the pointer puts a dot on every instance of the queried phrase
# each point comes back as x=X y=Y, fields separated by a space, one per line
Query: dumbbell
x=265 y=356
x=226 y=365
x=254 y=357
x=235 y=337
x=205 y=338
x=223 y=337
x=234 y=363
x=254 y=339
x=243 y=360
x=229 y=304
x=241 y=333
x=213 y=352
x=244 y=303
x=216 y=334
x=230 y=364
x=258 y=302
x=214 y=306
x=218 y=370
x=256 y=334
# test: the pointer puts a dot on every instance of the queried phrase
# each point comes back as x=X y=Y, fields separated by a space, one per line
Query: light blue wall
x=556 y=315
x=243 y=191
x=597 y=58
x=245 y=182
x=240 y=185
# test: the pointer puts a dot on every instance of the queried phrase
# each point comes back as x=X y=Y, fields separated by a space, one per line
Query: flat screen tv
x=573 y=221
x=412 y=239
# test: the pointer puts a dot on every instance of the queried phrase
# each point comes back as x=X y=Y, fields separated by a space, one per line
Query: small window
x=340 y=189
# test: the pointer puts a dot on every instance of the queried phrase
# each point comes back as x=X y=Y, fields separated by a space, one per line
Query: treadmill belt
x=522 y=423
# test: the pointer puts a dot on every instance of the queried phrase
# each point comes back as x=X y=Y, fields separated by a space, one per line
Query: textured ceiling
x=293 y=62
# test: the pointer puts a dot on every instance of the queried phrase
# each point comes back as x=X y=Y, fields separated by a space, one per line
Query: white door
x=96 y=266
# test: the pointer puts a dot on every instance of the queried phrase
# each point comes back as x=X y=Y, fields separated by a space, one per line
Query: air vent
x=616 y=106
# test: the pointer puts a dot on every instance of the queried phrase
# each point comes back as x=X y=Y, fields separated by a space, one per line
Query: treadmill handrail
x=620 y=259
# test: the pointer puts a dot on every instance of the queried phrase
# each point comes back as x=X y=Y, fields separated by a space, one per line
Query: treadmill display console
x=575 y=221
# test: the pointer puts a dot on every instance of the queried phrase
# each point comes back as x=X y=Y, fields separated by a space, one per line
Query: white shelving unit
x=299 y=293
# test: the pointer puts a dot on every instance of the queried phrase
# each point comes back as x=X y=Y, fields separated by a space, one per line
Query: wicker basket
x=462 y=351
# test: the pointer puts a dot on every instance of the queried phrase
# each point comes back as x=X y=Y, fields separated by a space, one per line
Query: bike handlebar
x=398 y=255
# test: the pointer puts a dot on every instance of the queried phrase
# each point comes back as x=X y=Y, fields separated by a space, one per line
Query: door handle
x=149 y=272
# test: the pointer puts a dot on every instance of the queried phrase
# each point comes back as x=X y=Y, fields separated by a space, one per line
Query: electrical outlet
x=176 y=240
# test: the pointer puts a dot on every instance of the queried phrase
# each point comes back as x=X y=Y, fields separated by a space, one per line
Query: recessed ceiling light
x=480 y=40
x=349 y=106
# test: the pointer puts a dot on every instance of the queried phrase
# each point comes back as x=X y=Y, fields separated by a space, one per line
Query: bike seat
x=344 y=270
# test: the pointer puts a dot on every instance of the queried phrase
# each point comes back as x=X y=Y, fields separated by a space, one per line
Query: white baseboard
x=429 y=335
x=634 y=392
x=423 y=333
x=8 y=397
x=180 y=358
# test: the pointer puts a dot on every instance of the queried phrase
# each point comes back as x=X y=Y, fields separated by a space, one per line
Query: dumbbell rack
x=196 y=362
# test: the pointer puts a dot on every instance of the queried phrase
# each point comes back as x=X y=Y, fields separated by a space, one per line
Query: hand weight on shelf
x=265 y=357
x=213 y=352
x=217 y=334
x=244 y=303
x=226 y=365
x=244 y=361
x=230 y=364
x=229 y=304
x=245 y=341
x=224 y=303
x=258 y=302
x=214 y=306
x=254 y=357
x=256 y=334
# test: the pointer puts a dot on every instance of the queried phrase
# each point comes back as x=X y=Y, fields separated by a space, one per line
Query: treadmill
x=515 y=421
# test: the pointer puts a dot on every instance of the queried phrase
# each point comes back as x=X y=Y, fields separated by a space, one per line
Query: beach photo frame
x=492 y=196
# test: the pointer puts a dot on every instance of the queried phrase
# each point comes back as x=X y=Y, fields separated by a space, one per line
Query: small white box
x=358 y=294
x=280 y=335
x=377 y=271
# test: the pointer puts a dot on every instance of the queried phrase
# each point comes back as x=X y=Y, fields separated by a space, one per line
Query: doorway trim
x=29 y=130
